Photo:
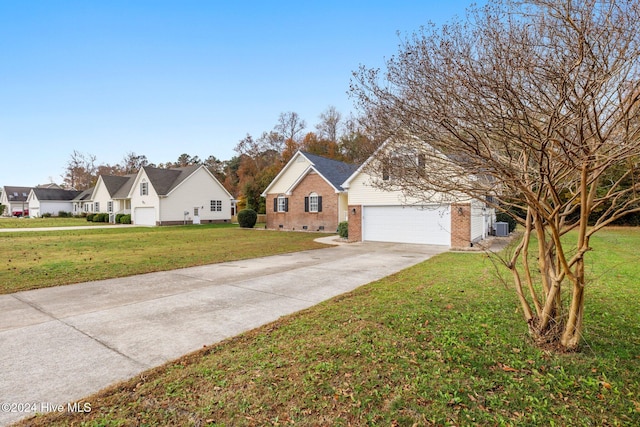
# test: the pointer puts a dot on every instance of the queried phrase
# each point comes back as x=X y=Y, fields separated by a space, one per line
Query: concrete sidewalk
x=61 y=344
x=70 y=227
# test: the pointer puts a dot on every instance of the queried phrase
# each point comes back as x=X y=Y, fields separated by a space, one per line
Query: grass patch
x=441 y=343
x=49 y=258
x=46 y=222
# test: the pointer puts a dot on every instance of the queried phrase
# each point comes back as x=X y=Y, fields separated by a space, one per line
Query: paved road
x=58 y=345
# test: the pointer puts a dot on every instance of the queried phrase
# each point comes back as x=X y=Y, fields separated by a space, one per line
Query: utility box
x=502 y=229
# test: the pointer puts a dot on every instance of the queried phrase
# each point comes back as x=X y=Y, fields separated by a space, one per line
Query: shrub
x=118 y=218
x=343 y=229
x=99 y=217
x=125 y=219
x=508 y=218
x=63 y=214
x=46 y=215
x=247 y=218
x=90 y=217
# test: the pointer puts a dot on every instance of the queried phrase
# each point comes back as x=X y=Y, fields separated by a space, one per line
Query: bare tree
x=290 y=126
x=80 y=172
x=539 y=99
x=329 y=126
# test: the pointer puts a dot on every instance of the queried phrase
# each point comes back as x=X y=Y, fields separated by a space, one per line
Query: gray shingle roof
x=86 y=194
x=17 y=194
x=334 y=171
x=113 y=183
x=165 y=180
x=55 y=194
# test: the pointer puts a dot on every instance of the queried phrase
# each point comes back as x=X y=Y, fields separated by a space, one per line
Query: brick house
x=315 y=194
x=307 y=194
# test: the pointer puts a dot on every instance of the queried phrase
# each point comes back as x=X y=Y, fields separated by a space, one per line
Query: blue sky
x=162 y=78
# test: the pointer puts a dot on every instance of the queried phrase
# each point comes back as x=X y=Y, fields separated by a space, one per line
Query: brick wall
x=296 y=218
x=460 y=225
x=355 y=223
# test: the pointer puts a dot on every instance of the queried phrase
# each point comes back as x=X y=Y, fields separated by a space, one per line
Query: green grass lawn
x=441 y=343
x=45 y=222
x=37 y=259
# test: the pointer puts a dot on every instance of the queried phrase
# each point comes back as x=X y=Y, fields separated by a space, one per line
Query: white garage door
x=429 y=225
x=144 y=216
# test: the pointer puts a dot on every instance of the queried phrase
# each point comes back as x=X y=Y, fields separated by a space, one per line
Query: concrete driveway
x=61 y=344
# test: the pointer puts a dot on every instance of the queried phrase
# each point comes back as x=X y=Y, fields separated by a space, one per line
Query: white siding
x=343 y=207
x=478 y=224
x=150 y=200
x=51 y=207
x=198 y=190
x=362 y=191
x=482 y=219
x=101 y=195
x=290 y=175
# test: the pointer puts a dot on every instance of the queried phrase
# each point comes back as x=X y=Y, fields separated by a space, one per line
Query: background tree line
x=257 y=161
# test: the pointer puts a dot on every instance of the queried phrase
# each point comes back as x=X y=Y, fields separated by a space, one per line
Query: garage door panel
x=407 y=224
x=144 y=216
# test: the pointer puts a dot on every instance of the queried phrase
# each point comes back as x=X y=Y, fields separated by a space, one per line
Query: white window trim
x=313 y=202
x=281 y=203
x=216 y=205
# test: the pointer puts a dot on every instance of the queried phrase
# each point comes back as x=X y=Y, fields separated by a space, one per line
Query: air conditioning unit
x=502 y=229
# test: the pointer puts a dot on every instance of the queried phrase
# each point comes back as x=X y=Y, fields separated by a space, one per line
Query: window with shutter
x=281 y=204
x=312 y=202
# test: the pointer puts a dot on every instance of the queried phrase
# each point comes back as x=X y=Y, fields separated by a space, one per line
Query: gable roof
x=334 y=172
x=49 y=185
x=17 y=194
x=165 y=180
x=55 y=194
x=84 y=195
x=452 y=159
x=113 y=183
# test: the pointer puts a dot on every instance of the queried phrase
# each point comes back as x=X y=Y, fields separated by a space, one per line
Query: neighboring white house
x=110 y=195
x=377 y=214
x=15 y=200
x=82 y=202
x=157 y=196
x=177 y=196
x=51 y=201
